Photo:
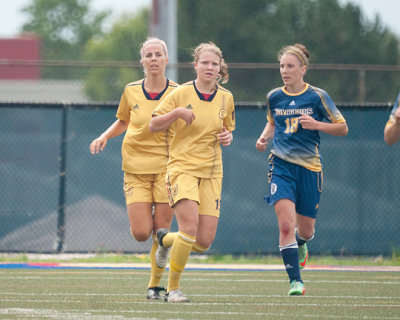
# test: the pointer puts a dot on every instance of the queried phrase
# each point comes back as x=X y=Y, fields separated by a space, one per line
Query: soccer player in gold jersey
x=144 y=153
x=200 y=116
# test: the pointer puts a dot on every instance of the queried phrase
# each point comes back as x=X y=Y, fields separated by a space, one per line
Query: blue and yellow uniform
x=396 y=105
x=292 y=143
x=144 y=153
x=295 y=162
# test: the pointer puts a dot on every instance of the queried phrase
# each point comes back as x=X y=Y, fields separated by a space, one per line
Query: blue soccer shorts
x=296 y=183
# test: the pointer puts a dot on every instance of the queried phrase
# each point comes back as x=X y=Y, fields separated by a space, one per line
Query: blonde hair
x=153 y=40
x=299 y=51
x=223 y=75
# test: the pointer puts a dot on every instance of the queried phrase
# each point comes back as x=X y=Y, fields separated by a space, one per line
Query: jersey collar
x=295 y=94
x=159 y=95
x=201 y=97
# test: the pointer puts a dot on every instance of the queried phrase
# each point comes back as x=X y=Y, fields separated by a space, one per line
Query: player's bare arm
x=334 y=129
x=392 y=131
x=116 y=129
x=162 y=122
x=265 y=136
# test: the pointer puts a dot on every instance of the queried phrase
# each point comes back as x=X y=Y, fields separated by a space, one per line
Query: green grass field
x=120 y=294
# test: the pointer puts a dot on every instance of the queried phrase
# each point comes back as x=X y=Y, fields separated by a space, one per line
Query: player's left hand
x=225 y=137
x=308 y=122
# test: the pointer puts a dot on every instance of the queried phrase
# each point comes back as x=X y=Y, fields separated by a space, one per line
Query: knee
x=306 y=235
x=140 y=235
x=286 y=228
x=189 y=227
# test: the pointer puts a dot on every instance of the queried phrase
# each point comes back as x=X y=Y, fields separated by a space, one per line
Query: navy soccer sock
x=299 y=240
x=290 y=256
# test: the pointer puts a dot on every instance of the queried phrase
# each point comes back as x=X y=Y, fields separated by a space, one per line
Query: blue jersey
x=291 y=142
x=396 y=105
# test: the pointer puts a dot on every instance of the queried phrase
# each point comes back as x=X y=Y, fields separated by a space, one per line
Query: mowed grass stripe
x=93 y=314
x=121 y=293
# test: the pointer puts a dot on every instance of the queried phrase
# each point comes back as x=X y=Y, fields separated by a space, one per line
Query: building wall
x=26 y=49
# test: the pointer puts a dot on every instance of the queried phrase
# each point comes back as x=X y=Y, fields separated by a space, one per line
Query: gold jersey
x=143 y=151
x=195 y=148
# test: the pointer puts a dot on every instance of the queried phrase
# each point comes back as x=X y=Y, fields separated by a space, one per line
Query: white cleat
x=161 y=253
x=176 y=296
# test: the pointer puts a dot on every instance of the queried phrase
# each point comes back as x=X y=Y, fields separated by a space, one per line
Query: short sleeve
x=229 y=120
x=328 y=108
x=123 y=112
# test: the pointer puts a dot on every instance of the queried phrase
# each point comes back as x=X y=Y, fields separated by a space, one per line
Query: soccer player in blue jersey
x=392 y=128
x=296 y=114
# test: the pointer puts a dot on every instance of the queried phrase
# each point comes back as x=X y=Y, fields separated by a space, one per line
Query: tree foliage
x=64 y=27
x=122 y=43
x=254 y=31
x=247 y=31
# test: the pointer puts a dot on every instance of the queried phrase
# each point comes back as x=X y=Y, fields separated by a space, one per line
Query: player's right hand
x=186 y=115
x=261 y=144
x=98 y=145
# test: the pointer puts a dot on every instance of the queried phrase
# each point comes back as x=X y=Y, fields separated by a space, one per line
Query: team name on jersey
x=290 y=112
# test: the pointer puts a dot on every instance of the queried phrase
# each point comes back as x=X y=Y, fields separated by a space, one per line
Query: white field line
x=194 y=295
x=90 y=314
x=271 y=304
x=212 y=280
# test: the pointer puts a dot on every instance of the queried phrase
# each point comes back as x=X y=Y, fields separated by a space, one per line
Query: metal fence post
x=361 y=85
x=62 y=174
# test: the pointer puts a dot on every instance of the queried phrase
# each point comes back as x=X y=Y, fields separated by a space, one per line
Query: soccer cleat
x=176 y=296
x=303 y=255
x=154 y=293
x=161 y=253
x=297 y=288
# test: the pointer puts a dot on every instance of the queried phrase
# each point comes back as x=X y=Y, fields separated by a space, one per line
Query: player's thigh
x=305 y=226
x=206 y=230
x=187 y=216
x=285 y=213
x=163 y=215
x=140 y=219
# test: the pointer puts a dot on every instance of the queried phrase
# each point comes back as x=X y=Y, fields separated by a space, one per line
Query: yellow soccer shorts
x=205 y=191
x=145 y=188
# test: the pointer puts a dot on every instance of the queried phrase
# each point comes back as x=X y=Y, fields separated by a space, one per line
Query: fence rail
x=356 y=83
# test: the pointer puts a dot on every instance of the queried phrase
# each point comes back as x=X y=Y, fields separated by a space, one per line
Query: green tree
x=64 y=27
x=254 y=31
x=122 y=43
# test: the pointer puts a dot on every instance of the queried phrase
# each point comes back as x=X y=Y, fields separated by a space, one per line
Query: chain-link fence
x=99 y=81
x=55 y=196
